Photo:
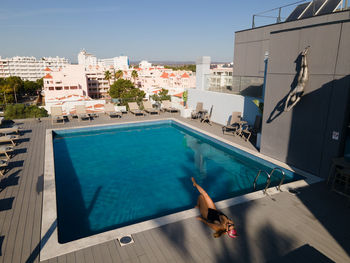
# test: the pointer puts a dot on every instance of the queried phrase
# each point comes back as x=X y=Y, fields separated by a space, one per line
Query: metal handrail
x=283 y=176
x=257 y=176
x=278 y=18
x=268 y=181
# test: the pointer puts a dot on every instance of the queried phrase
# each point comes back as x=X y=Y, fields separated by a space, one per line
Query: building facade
x=116 y=63
x=29 y=68
x=86 y=59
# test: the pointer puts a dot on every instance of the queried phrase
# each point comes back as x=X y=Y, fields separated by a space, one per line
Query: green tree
x=119 y=74
x=17 y=86
x=31 y=87
x=162 y=95
x=134 y=75
x=125 y=91
x=108 y=76
x=185 y=96
x=20 y=111
x=189 y=67
x=40 y=83
x=7 y=93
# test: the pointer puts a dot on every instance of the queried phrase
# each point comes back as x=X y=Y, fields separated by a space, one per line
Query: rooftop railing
x=279 y=14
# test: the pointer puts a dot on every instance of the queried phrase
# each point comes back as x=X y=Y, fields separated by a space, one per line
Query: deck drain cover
x=125 y=240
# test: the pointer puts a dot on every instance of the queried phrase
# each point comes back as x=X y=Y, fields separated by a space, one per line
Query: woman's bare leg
x=205 y=196
x=202 y=206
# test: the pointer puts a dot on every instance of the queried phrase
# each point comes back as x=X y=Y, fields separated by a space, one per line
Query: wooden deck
x=312 y=226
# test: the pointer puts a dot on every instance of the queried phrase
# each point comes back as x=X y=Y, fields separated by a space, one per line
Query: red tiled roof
x=172 y=75
x=47 y=69
x=48 y=76
x=165 y=75
x=178 y=95
x=98 y=105
x=185 y=75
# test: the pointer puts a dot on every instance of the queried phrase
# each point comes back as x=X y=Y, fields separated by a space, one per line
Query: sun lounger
x=148 y=108
x=122 y=109
x=13 y=129
x=4 y=149
x=207 y=116
x=134 y=109
x=3 y=166
x=247 y=131
x=166 y=106
x=198 y=111
x=9 y=138
x=81 y=112
x=111 y=112
x=233 y=123
x=57 y=114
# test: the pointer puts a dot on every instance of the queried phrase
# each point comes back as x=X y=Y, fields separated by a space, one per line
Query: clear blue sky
x=152 y=30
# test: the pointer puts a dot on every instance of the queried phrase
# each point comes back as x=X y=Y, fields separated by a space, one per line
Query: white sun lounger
x=81 y=112
x=148 y=108
x=167 y=106
x=3 y=166
x=110 y=111
x=134 y=109
x=9 y=138
x=57 y=114
x=13 y=129
x=5 y=149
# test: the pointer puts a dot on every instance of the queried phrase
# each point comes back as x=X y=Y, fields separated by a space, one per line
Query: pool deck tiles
x=310 y=226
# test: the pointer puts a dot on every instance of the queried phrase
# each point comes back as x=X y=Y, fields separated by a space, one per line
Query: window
x=66 y=87
x=73 y=87
x=58 y=88
x=51 y=88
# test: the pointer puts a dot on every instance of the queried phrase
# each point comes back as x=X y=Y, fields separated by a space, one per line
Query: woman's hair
x=219 y=233
x=224 y=220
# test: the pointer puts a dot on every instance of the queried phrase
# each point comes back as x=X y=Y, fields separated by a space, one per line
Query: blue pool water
x=119 y=175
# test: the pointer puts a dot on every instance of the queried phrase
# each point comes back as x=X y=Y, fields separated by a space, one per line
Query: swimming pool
x=113 y=176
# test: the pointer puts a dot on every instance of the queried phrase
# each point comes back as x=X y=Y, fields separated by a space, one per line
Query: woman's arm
x=215 y=227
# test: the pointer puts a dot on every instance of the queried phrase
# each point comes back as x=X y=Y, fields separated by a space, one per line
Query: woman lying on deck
x=215 y=219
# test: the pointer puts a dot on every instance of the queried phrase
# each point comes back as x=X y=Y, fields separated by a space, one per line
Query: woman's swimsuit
x=214 y=215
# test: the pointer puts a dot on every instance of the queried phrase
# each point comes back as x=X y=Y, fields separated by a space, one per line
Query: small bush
x=20 y=111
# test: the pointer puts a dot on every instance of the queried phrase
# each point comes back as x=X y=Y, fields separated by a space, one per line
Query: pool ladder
x=269 y=175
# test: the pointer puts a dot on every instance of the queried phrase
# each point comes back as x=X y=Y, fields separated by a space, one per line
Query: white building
x=86 y=59
x=145 y=64
x=98 y=86
x=68 y=81
x=220 y=78
x=118 y=63
x=29 y=68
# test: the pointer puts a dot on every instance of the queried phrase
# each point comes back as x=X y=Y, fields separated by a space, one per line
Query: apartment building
x=86 y=59
x=68 y=81
x=29 y=68
x=98 y=86
x=117 y=63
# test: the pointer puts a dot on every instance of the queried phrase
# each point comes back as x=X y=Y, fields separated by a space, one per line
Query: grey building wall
x=251 y=45
x=303 y=136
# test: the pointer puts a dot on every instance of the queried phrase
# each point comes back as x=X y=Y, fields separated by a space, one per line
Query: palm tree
x=108 y=76
x=134 y=75
x=119 y=74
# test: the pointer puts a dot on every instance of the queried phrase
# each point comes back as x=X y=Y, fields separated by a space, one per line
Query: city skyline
x=153 y=30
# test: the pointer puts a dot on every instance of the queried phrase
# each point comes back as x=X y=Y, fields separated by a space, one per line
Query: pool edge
x=49 y=237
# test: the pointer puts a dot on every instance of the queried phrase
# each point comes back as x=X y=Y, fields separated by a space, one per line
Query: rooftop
x=312 y=225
